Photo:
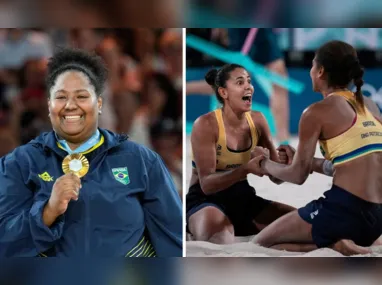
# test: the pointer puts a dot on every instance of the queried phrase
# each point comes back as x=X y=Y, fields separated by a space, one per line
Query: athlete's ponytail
x=357 y=75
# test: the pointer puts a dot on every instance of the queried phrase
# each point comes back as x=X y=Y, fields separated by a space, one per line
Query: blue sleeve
x=163 y=212
x=22 y=231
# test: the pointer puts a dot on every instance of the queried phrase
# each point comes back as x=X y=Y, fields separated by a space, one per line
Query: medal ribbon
x=92 y=141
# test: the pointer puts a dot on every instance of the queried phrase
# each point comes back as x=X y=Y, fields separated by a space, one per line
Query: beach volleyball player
x=349 y=130
x=265 y=50
x=220 y=202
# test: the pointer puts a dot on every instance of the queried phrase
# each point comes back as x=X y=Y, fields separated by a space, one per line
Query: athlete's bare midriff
x=362 y=177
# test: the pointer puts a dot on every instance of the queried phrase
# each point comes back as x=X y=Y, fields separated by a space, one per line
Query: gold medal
x=75 y=163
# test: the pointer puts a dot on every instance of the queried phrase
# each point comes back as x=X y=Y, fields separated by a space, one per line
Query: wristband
x=327 y=167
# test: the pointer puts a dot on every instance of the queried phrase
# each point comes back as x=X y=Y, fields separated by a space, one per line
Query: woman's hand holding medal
x=65 y=189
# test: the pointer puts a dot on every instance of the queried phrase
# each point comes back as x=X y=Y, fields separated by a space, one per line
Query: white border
x=184 y=154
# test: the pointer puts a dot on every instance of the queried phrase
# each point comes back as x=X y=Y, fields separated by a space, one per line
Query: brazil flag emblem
x=121 y=175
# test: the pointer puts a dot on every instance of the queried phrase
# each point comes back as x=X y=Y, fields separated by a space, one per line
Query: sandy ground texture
x=291 y=194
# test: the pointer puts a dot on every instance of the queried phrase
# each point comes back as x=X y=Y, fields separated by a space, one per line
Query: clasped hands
x=260 y=154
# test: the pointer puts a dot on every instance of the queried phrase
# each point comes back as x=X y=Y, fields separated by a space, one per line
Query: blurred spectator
x=29 y=115
x=124 y=71
x=170 y=47
x=143 y=88
x=143 y=50
x=18 y=46
x=161 y=101
x=7 y=142
x=87 y=39
x=166 y=136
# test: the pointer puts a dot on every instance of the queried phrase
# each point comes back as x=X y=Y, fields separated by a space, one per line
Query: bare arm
x=319 y=165
x=298 y=171
x=203 y=140
x=198 y=87
x=265 y=141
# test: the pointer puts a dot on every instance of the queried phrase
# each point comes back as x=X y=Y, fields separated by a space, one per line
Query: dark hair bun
x=211 y=77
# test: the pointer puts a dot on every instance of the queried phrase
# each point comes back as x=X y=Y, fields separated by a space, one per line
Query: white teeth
x=72 y=117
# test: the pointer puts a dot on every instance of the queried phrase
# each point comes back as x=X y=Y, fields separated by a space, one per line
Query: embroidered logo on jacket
x=46 y=177
x=121 y=175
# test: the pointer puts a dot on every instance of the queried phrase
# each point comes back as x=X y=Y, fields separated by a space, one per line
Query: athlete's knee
x=210 y=224
x=225 y=236
x=217 y=234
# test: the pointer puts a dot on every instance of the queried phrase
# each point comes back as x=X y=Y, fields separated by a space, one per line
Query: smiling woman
x=75 y=96
x=80 y=190
x=220 y=202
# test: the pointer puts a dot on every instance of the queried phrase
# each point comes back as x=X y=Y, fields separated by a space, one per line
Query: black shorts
x=342 y=215
x=239 y=203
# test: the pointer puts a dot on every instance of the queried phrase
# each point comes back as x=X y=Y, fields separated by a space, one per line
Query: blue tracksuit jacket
x=140 y=217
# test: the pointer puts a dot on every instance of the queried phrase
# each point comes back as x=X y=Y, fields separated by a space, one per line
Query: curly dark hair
x=90 y=64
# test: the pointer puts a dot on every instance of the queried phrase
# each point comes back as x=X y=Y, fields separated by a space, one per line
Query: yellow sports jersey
x=227 y=159
x=362 y=138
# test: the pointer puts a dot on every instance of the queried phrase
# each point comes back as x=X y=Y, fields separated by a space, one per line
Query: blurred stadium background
x=298 y=46
x=143 y=97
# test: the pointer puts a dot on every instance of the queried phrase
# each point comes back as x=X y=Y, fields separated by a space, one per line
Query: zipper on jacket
x=95 y=160
x=87 y=224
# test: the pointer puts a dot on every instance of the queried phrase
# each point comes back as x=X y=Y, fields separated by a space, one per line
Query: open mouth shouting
x=247 y=98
